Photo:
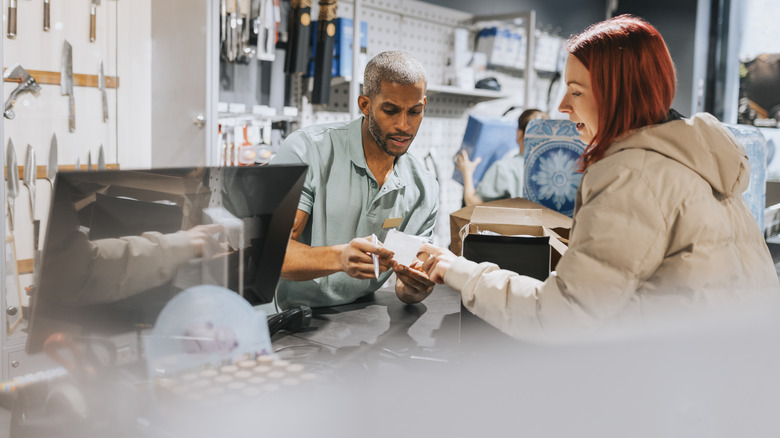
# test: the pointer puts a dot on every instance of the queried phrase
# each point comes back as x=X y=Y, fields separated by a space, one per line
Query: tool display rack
x=37 y=117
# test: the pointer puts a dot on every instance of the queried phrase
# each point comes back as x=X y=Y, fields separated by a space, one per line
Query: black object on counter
x=294 y=319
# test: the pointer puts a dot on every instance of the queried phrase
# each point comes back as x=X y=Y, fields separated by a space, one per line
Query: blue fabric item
x=552 y=152
x=753 y=141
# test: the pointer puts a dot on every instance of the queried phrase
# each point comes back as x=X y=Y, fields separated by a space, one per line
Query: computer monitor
x=107 y=265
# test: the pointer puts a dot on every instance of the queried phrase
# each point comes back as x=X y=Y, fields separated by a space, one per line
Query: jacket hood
x=701 y=143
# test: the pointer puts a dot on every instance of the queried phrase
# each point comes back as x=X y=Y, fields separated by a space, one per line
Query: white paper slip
x=404 y=246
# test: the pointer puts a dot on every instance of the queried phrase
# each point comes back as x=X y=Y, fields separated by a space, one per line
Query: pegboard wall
x=425 y=31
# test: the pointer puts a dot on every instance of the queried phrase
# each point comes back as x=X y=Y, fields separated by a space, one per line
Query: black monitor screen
x=119 y=244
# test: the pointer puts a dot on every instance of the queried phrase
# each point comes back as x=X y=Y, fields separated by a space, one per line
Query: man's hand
x=413 y=285
x=438 y=262
x=356 y=258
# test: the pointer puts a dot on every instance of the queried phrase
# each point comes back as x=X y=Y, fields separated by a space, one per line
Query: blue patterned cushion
x=552 y=149
x=754 y=143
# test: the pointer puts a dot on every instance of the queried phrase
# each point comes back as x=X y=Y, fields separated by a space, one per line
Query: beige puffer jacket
x=660 y=227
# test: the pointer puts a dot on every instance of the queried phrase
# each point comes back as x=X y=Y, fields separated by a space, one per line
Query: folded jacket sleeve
x=115 y=269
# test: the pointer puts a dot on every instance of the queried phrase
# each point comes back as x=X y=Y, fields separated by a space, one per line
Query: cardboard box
x=546 y=234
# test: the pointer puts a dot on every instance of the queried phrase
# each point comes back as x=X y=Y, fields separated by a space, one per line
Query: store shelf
x=477 y=95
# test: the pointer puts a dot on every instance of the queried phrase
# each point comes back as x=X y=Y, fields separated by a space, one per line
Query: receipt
x=404 y=246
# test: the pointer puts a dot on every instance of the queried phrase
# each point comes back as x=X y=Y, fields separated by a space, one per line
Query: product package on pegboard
x=759 y=91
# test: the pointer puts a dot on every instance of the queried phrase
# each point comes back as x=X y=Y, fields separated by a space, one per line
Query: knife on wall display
x=46 y=15
x=13 y=301
x=93 y=20
x=30 y=170
x=298 y=32
x=11 y=182
x=11 y=19
x=89 y=161
x=102 y=88
x=323 y=56
x=101 y=164
x=52 y=165
x=66 y=83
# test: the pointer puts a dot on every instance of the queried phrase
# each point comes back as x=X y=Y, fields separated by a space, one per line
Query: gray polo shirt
x=504 y=179
x=344 y=201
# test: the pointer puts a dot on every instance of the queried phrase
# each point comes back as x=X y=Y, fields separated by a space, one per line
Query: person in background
x=660 y=225
x=504 y=178
x=360 y=182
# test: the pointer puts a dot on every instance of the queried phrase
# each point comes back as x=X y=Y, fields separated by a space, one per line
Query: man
x=360 y=182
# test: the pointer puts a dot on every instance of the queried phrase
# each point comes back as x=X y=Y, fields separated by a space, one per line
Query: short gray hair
x=392 y=66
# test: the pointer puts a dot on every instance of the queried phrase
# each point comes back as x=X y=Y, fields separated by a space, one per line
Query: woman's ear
x=364 y=102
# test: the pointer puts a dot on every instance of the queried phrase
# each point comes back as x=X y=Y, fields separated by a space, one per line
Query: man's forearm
x=303 y=262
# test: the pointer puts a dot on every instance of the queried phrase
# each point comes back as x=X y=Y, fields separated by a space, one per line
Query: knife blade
x=101 y=164
x=78 y=164
x=11 y=182
x=29 y=177
x=12 y=19
x=102 y=88
x=46 y=15
x=93 y=20
x=89 y=161
x=66 y=83
x=52 y=166
x=29 y=181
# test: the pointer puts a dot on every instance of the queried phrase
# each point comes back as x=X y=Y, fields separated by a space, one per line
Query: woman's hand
x=204 y=240
x=466 y=166
x=438 y=262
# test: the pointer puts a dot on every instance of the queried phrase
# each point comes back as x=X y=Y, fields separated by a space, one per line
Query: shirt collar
x=358 y=157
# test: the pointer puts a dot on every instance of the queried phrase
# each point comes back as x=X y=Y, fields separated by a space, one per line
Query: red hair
x=632 y=76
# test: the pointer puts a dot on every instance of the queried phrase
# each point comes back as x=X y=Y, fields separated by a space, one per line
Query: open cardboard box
x=530 y=240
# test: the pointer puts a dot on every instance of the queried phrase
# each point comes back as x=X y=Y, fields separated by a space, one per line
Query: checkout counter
x=374 y=340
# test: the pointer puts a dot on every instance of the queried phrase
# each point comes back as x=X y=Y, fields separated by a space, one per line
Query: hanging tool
x=11 y=182
x=101 y=164
x=297 y=56
x=228 y=48
x=89 y=161
x=11 y=19
x=102 y=88
x=11 y=192
x=323 y=56
x=267 y=22
x=66 y=83
x=30 y=181
x=27 y=85
x=93 y=20
x=52 y=165
x=46 y=15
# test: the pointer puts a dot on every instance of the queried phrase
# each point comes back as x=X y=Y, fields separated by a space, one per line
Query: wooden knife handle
x=92 y=23
x=12 y=21
x=46 y=15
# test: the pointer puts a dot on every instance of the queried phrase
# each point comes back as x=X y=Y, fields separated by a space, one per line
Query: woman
x=660 y=224
x=504 y=178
